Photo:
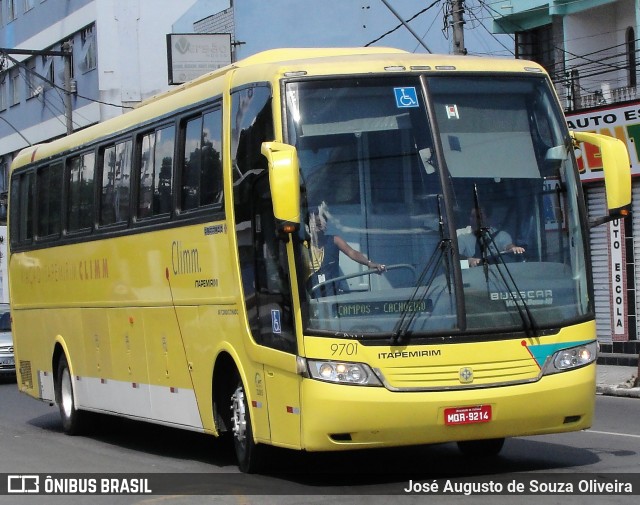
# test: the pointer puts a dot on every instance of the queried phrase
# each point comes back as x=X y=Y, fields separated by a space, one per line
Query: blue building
x=118 y=58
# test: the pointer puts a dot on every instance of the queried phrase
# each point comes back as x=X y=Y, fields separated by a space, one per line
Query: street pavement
x=614 y=380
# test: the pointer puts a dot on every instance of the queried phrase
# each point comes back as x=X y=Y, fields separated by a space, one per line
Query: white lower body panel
x=158 y=404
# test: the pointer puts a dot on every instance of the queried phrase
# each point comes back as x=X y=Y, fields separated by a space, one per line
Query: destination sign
x=360 y=309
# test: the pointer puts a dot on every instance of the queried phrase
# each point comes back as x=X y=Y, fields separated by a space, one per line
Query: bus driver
x=324 y=252
x=469 y=242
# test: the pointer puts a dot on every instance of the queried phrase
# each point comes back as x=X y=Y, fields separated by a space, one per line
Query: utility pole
x=457 y=22
x=66 y=54
x=66 y=48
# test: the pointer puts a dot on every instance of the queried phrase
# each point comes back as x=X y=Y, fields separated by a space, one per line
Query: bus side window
x=80 y=178
x=116 y=180
x=49 y=200
x=202 y=161
x=211 y=175
x=252 y=124
x=23 y=199
x=156 y=172
x=145 y=177
x=163 y=171
x=190 y=198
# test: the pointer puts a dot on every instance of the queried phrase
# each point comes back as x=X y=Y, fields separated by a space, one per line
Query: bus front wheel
x=248 y=453
x=72 y=418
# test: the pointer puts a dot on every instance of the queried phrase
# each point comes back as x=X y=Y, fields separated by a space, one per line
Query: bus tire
x=481 y=448
x=248 y=453
x=72 y=418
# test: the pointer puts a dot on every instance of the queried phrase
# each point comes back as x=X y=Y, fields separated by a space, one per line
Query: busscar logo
x=530 y=297
x=23 y=484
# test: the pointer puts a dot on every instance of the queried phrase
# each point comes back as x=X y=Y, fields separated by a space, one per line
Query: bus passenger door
x=266 y=284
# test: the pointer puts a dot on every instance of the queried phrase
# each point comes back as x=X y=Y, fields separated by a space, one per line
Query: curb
x=622 y=391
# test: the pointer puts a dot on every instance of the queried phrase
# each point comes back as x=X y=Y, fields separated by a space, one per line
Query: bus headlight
x=341 y=372
x=574 y=357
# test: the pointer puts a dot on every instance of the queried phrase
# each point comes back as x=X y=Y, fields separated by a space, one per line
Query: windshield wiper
x=401 y=328
x=487 y=246
x=529 y=322
x=403 y=324
x=482 y=229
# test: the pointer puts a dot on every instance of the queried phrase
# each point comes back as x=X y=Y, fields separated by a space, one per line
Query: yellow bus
x=320 y=250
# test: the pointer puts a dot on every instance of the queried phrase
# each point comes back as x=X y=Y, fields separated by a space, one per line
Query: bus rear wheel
x=72 y=418
x=481 y=448
x=248 y=453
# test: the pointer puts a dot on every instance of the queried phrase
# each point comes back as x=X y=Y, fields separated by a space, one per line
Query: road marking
x=614 y=434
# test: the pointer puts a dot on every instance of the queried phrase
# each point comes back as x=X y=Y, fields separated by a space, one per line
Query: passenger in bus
x=324 y=253
x=470 y=242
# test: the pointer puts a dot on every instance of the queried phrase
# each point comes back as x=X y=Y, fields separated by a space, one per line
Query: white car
x=7 y=361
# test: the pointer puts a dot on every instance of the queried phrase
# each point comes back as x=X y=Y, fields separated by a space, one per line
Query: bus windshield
x=434 y=205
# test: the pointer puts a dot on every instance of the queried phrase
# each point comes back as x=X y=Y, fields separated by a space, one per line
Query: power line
x=402 y=24
x=48 y=104
x=594 y=66
x=584 y=57
x=425 y=33
x=489 y=31
x=56 y=86
x=66 y=53
x=17 y=131
x=453 y=10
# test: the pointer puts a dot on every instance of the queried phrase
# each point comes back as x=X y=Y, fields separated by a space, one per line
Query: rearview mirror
x=284 y=181
x=617 y=173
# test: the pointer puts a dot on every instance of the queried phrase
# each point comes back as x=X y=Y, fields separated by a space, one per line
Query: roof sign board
x=619 y=120
x=191 y=55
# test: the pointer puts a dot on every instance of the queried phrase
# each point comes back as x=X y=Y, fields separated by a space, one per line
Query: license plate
x=7 y=362
x=467 y=415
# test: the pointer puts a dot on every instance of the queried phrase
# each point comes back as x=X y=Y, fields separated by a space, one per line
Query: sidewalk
x=617 y=381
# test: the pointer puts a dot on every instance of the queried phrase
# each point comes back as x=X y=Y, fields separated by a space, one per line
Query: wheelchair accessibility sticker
x=276 y=326
x=406 y=97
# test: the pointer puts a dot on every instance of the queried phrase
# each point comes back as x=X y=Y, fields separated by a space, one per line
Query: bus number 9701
x=349 y=349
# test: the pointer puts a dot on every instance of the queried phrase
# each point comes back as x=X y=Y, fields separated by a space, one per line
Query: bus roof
x=271 y=65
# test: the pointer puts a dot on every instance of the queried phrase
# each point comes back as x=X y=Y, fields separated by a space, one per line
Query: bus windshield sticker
x=452 y=112
x=406 y=97
x=276 y=327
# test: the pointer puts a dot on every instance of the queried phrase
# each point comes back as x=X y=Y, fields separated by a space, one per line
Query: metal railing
x=609 y=96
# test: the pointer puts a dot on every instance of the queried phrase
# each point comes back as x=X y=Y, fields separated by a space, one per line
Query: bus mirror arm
x=284 y=182
x=613 y=215
x=617 y=173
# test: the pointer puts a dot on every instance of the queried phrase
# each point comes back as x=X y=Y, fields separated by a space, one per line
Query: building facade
x=118 y=58
x=590 y=48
